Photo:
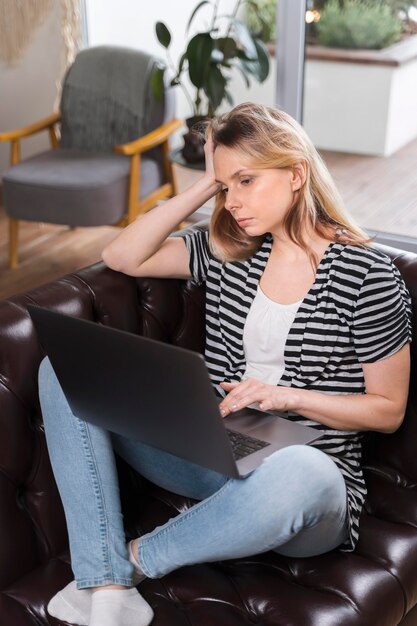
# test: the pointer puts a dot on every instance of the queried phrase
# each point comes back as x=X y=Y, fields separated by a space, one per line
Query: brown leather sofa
x=374 y=586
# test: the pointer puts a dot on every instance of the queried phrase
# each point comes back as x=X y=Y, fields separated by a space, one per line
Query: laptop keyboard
x=243 y=444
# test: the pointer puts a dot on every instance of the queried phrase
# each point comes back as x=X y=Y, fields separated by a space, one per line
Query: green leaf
x=239 y=66
x=244 y=38
x=228 y=46
x=198 y=7
x=228 y=97
x=263 y=60
x=215 y=87
x=259 y=67
x=198 y=53
x=250 y=67
x=157 y=83
x=163 y=34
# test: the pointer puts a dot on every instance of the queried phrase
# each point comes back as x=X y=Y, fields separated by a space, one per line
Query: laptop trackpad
x=247 y=420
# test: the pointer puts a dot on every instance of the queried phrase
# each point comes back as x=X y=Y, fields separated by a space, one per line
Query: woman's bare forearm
x=141 y=239
x=342 y=412
x=350 y=412
x=381 y=408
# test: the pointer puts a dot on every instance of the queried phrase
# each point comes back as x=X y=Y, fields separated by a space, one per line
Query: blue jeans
x=294 y=503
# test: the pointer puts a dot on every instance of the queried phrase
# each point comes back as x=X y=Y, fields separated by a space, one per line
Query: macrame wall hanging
x=71 y=30
x=19 y=19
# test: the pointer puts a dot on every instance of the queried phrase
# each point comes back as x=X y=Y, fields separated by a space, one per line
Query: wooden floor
x=381 y=193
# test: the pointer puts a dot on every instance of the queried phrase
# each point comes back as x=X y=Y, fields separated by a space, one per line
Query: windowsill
x=398 y=54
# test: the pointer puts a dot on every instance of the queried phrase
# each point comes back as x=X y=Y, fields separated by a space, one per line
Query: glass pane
x=360 y=106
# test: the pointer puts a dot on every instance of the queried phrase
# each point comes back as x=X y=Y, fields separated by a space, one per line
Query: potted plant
x=208 y=60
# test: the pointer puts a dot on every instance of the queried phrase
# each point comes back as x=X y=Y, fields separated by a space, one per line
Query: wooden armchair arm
x=32 y=129
x=14 y=136
x=151 y=140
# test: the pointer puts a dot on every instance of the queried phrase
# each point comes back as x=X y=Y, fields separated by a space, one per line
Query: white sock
x=119 y=607
x=71 y=605
x=138 y=575
x=74 y=605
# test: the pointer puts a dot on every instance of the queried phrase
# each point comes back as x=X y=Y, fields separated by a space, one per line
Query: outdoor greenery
x=357 y=24
x=260 y=18
x=341 y=23
x=394 y=5
x=210 y=57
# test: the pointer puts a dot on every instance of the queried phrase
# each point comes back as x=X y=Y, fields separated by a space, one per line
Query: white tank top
x=264 y=336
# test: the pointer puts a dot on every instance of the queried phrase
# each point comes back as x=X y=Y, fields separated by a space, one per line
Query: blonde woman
x=303 y=315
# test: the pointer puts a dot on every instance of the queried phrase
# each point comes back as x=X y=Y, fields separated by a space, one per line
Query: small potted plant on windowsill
x=209 y=58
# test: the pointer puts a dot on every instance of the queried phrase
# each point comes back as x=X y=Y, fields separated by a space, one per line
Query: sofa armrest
x=32 y=516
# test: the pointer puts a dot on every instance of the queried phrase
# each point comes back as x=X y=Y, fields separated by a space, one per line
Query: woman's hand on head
x=209 y=153
x=249 y=391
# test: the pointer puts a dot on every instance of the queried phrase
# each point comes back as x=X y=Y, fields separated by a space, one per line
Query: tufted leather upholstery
x=374 y=586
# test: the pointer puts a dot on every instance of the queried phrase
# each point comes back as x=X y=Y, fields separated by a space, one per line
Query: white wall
x=128 y=23
x=27 y=89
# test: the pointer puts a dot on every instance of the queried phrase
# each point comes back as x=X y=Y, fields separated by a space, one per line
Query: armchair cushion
x=75 y=187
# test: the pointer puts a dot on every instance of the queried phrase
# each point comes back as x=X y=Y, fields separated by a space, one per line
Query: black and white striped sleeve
x=382 y=317
x=199 y=252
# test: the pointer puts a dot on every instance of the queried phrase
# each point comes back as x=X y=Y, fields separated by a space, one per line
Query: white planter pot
x=363 y=102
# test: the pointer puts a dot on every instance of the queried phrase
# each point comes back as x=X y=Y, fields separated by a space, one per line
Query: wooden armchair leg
x=13 y=242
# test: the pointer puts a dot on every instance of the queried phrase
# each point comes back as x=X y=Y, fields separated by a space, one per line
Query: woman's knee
x=46 y=372
x=304 y=457
x=50 y=391
x=308 y=468
x=47 y=378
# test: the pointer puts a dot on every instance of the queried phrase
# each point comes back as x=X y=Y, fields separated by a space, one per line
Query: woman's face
x=258 y=199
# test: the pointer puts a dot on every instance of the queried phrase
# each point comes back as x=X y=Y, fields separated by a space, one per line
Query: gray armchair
x=109 y=162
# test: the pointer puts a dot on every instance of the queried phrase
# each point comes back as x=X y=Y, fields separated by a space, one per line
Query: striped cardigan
x=357 y=311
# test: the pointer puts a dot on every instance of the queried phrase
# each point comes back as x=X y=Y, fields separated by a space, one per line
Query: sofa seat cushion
x=74 y=188
x=270 y=590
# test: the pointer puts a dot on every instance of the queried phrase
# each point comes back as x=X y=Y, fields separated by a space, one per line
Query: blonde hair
x=270 y=138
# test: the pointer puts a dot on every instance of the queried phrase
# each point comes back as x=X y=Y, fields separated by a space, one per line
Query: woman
x=303 y=315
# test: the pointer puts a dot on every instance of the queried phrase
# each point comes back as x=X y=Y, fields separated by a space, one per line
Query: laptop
x=158 y=394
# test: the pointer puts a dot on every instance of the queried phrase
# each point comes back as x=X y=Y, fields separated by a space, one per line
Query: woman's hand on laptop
x=250 y=391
